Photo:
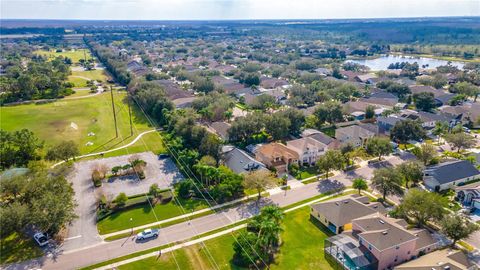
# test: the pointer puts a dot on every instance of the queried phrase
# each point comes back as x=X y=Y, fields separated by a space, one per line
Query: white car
x=148 y=233
x=41 y=239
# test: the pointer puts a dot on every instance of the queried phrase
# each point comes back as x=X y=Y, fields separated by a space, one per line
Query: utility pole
x=114 y=113
x=130 y=117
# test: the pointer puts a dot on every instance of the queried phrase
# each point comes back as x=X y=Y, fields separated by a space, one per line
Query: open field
x=302 y=248
x=17 y=248
x=75 y=55
x=79 y=78
x=75 y=119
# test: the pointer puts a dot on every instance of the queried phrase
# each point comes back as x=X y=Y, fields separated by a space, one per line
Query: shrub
x=166 y=197
x=121 y=199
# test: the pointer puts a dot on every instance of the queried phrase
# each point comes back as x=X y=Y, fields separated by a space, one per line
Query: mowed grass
x=79 y=78
x=302 y=248
x=18 y=248
x=75 y=55
x=75 y=119
x=144 y=214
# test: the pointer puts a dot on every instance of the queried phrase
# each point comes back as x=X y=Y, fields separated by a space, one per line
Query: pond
x=382 y=63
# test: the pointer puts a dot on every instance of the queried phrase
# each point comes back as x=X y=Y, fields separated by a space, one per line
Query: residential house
x=386 y=123
x=181 y=103
x=467 y=113
x=136 y=68
x=323 y=72
x=469 y=195
x=221 y=129
x=441 y=97
x=308 y=149
x=430 y=119
x=449 y=174
x=173 y=90
x=445 y=259
x=389 y=240
x=357 y=135
x=366 y=78
x=277 y=156
x=239 y=161
x=272 y=83
x=337 y=215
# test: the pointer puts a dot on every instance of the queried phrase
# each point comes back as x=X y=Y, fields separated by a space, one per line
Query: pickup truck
x=148 y=233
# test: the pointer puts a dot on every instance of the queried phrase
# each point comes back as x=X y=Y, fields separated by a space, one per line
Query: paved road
x=183 y=231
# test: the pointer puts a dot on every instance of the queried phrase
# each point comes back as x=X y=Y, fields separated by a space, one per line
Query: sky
x=233 y=9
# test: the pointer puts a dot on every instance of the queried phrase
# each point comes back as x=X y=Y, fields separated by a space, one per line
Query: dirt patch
x=59 y=125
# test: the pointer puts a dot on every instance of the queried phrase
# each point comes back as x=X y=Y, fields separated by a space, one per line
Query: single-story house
x=385 y=124
x=449 y=174
x=239 y=161
x=221 y=129
x=337 y=215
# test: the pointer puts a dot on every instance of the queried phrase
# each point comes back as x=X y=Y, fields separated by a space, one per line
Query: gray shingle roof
x=451 y=171
x=240 y=162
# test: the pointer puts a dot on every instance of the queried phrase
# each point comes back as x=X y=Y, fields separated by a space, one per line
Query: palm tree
x=360 y=185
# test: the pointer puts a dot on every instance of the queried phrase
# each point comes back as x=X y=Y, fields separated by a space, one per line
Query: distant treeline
x=32 y=30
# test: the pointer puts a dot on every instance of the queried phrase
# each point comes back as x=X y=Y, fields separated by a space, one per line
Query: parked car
x=148 y=233
x=41 y=239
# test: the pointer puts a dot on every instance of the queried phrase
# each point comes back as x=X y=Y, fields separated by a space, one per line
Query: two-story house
x=356 y=135
x=308 y=149
x=277 y=156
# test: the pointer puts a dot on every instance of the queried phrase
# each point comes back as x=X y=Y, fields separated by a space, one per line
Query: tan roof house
x=277 y=156
x=308 y=149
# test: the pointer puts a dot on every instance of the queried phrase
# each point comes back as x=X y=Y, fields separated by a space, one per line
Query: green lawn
x=17 y=248
x=306 y=172
x=302 y=248
x=79 y=78
x=143 y=214
x=74 y=119
x=75 y=55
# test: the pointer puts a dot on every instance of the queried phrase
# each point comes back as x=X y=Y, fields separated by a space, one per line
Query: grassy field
x=17 y=248
x=302 y=248
x=74 y=119
x=79 y=78
x=306 y=172
x=143 y=214
x=75 y=55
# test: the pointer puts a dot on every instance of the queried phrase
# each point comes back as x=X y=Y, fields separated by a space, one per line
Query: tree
x=440 y=129
x=259 y=180
x=154 y=190
x=19 y=147
x=387 y=181
x=379 y=146
x=257 y=246
x=296 y=117
x=460 y=140
x=425 y=153
x=406 y=130
x=121 y=199
x=185 y=188
x=277 y=126
x=332 y=160
x=359 y=184
x=330 y=112
x=467 y=89
x=348 y=151
x=424 y=101
x=422 y=206
x=39 y=198
x=411 y=172
x=457 y=227
x=369 y=112
x=65 y=150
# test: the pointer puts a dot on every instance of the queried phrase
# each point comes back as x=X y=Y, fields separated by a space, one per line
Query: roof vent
x=447 y=267
x=385 y=232
x=381 y=221
x=345 y=201
x=336 y=203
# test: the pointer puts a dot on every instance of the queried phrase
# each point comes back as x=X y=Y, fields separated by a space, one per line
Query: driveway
x=83 y=231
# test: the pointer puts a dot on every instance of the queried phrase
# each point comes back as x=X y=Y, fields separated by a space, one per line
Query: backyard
x=302 y=249
x=79 y=78
x=76 y=119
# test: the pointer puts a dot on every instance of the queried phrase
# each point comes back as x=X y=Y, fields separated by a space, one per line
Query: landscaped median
x=303 y=239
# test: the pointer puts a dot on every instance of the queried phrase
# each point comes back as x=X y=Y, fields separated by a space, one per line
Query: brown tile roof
x=277 y=149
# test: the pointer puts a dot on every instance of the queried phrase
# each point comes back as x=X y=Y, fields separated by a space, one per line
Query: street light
x=131 y=219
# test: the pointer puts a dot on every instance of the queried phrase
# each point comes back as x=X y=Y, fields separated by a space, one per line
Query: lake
x=382 y=63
